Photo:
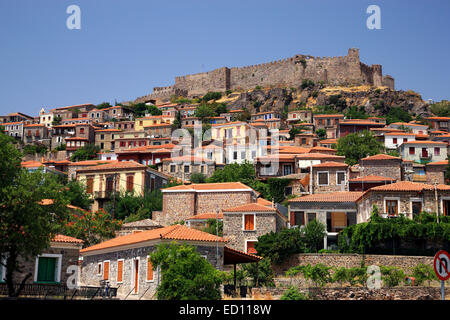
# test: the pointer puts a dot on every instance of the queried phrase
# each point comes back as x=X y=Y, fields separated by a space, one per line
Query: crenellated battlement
x=341 y=70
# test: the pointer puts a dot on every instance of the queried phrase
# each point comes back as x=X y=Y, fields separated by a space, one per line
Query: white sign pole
x=442 y=290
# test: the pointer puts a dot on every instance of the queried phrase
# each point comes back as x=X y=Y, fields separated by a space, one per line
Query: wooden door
x=136 y=276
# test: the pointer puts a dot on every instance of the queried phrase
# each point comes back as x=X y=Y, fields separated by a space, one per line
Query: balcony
x=103 y=194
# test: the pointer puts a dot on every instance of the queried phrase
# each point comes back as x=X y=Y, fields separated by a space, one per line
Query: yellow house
x=237 y=132
x=141 y=123
x=103 y=181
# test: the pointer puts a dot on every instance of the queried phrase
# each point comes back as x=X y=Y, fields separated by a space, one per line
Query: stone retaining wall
x=352 y=260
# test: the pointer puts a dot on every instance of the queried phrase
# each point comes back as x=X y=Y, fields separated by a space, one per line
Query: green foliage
x=315 y=232
x=261 y=273
x=258 y=88
x=337 y=101
x=441 y=109
x=321 y=133
x=277 y=187
x=103 y=105
x=56 y=120
x=326 y=109
x=423 y=272
x=140 y=109
x=393 y=153
x=212 y=96
x=292 y=293
x=61 y=147
x=186 y=275
x=87 y=152
x=392 y=276
x=397 y=114
x=364 y=237
x=75 y=193
x=204 y=111
x=293 y=132
x=91 y=227
x=139 y=207
x=307 y=83
x=198 y=177
x=355 y=112
x=278 y=246
x=356 y=146
x=221 y=108
x=35 y=149
x=318 y=274
x=212 y=227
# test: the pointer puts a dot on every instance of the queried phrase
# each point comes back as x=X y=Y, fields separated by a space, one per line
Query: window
x=322 y=178
x=311 y=216
x=340 y=177
x=235 y=155
x=253 y=154
x=416 y=207
x=90 y=185
x=249 y=222
x=242 y=154
x=149 y=270
x=46 y=269
x=392 y=207
x=172 y=168
x=106 y=270
x=82 y=131
x=405 y=140
x=288 y=191
x=186 y=169
x=437 y=151
x=303 y=140
x=412 y=150
x=394 y=140
x=251 y=247
x=102 y=137
x=130 y=183
x=287 y=169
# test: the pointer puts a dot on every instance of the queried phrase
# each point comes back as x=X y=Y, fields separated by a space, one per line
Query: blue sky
x=125 y=48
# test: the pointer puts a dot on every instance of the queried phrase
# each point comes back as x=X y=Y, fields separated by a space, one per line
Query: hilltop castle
x=335 y=71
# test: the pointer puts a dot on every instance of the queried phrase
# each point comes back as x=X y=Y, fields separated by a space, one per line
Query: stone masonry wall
x=384 y=168
x=176 y=206
x=208 y=201
x=353 y=260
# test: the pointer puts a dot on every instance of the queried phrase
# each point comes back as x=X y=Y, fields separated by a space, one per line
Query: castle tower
x=377 y=75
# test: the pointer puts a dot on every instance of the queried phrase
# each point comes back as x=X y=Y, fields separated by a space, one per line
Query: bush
x=278 y=246
x=319 y=274
x=212 y=96
x=307 y=83
x=315 y=232
x=262 y=272
x=392 y=276
x=423 y=272
x=198 y=177
x=292 y=293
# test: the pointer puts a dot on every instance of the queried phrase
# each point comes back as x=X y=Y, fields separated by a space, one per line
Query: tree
x=198 y=177
x=186 y=275
x=212 y=96
x=277 y=188
x=103 y=105
x=56 y=120
x=87 y=152
x=397 y=114
x=315 y=232
x=212 y=227
x=75 y=193
x=441 y=109
x=356 y=146
x=294 y=131
x=278 y=246
x=221 y=108
x=321 y=133
x=91 y=227
x=355 y=112
x=204 y=111
x=261 y=272
x=27 y=222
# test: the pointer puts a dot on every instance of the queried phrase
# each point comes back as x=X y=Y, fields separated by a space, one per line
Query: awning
x=233 y=256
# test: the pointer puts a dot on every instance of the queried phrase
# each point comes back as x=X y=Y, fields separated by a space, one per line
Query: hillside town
x=303 y=165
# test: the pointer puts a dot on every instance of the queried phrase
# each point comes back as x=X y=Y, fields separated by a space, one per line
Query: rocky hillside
x=376 y=100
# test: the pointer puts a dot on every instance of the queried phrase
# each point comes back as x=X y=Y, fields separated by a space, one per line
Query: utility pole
x=436 y=201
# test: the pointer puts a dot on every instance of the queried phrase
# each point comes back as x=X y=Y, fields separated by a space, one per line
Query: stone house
x=276 y=165
x=328 y=122
x=84 y=120
x=124 y=125
x=124 y=261
x=131 y=139
x=305 y=140
x=336 y=210
x=118 y=113
x=54 y=265
x=242 y=225
x=162 y=130
x=299 y=115
x=75 y=143
x=183 y=167
x=381 y=165
x=439 y=123
x=184 y=201
x=36 y=133
x=72 y=112
x=200 y=221
x=103 y=181
x=148 y=155
x=73 y=167
x=435 y=172
x=405 y=197
x=347 y=126
x=392 y=140
x=367 y=182
x=329 y=177
x=268 y=115
x=412 y=127
x=105 y=139
x=423 y=151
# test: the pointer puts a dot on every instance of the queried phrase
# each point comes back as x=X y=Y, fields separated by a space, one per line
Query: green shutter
x=46 y=269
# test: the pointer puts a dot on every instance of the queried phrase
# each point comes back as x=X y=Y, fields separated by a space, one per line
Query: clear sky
x=125 y=48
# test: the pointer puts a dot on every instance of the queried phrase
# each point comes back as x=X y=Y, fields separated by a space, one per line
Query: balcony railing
x=103 y=194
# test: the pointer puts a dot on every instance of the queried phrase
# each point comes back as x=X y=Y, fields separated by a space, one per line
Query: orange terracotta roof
x=233 y=123
x=318 y=156
x=115 y=165
x=399 y=134
x=35 y=125
x=293 y=149
x=409 y=186
x=409 y=124
x=206 y=216
x=438 y=118
x=328 y=141
x=76 y=138
x=158 y=125
x=361 y=122
x=66 y=239
x=318 y=148
x=437 y=163
x=264 y=202
x=175 y=232
x=425 y=142
x=108 y=130
x=277 y=157
x=9 y=123
x=330 y=164
x=342 y=196
x=251 y=207
x=31 y=164
x=328 y=116
x=91 y=162
x=381 y=157
x=371 y=178
x=187 y=158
